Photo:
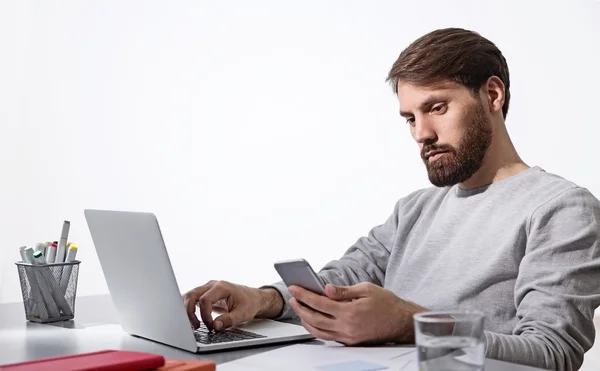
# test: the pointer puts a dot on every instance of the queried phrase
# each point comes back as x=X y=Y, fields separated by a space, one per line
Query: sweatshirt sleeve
x=365 y=261
x=558 y=286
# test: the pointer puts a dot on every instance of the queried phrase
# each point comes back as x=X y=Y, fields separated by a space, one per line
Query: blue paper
x=352 y=366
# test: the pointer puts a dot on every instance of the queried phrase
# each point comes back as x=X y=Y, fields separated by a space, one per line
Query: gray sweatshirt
x=525 y=251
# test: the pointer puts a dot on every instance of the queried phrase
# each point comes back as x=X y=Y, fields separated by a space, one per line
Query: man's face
x=451 y=127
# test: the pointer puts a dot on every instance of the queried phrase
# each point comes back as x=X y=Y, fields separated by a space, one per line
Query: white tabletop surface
x=96 y=327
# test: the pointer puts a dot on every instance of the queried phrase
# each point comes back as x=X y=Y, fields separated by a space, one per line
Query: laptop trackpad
x=272 y=328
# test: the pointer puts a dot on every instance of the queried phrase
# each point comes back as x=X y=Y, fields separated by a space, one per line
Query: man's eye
x=410 y=120
x=440 y=108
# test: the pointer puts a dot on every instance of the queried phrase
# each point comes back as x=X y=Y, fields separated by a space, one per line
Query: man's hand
x=359 y=314
x=237 y=304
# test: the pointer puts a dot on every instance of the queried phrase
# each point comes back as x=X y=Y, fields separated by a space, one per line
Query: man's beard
x=458 y=165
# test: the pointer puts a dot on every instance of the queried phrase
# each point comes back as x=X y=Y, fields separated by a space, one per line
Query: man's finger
x=315 y=319
x=219 y=307
x=219 y=310
x=221 y=304
x=229 y=319
x=319 y=334
x=345 y=293
x=190 y=299
x=207 y=300
x=318 y=302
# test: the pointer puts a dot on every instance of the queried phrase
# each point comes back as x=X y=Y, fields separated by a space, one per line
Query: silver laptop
x=145 y=293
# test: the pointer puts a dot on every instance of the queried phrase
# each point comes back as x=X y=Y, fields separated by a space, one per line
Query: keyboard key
x=205 y=336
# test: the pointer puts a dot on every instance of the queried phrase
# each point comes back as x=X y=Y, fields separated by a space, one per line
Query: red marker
x=51 y=253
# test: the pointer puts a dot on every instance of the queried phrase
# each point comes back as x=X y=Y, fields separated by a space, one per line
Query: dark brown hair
x=452 y=53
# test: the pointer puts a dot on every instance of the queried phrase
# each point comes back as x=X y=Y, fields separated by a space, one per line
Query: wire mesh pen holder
x=49 y=290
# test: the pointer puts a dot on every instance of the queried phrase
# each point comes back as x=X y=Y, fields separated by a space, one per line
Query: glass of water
x=450 y=341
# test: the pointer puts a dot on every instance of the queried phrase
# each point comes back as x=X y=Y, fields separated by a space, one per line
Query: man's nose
x=424 y=132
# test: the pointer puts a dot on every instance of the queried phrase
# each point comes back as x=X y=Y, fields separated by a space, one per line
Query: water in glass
x=451 y=353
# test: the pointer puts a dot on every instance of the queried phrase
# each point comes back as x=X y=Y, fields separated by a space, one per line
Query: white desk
x=96 y=327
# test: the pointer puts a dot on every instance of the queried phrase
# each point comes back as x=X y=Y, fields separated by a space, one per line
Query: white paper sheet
x=235 y=366
x=310 y=357
x=410 y=366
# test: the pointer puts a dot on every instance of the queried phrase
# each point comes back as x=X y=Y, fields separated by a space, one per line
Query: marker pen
x=39 y=257
x=51 y=253
x=72 y=253
x=43 y=285
x=29 y=254
x=44 y=280
x=51 y=292
x=67 y=270
x=40 y=246
x=61 y=252
x=38 y=307
x=23 y=255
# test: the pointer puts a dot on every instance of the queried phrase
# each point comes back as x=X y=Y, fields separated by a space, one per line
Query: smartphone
x=298 y=272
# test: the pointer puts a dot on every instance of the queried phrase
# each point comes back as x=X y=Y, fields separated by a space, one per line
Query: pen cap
x=23 y=256
x=29 y=254
x=72 y=253
x=38 y=258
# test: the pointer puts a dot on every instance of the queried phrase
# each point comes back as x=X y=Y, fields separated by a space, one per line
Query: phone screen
x=299 y=273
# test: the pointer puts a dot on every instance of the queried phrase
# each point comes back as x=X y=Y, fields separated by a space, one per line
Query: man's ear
x=493 y=93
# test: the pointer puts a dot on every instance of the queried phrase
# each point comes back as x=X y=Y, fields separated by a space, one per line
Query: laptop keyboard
x=205 y=336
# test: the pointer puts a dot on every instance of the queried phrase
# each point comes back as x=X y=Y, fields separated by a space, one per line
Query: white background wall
x=256 y=131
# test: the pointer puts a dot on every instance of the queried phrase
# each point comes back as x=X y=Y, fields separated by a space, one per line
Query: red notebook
x=187 y=365
x=106 y=360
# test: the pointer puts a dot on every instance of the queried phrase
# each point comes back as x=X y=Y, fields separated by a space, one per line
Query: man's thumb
x=336 y=292
x=224 y=321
